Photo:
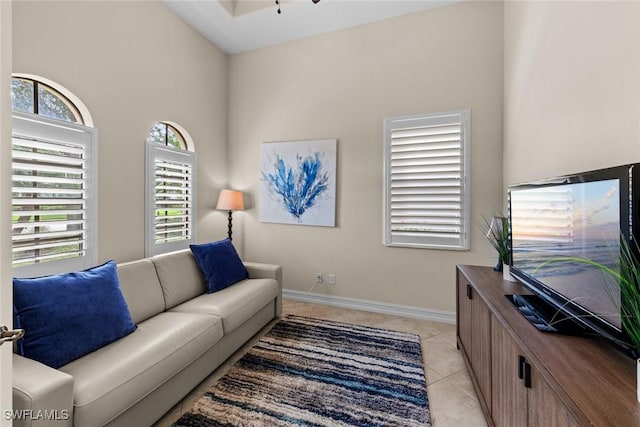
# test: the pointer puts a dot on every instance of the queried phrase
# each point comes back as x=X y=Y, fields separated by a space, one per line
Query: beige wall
x=341 y=85
x=572 y=87
x=132 y=64
x=571 y=91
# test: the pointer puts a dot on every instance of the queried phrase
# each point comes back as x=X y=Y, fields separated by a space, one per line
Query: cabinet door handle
x=469 y=292
x=527 y=375
x=521 y=362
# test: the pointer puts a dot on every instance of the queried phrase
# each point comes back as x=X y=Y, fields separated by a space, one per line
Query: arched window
x=165 y=134
x=54 y=199
x=33 y=96
x=170 y=202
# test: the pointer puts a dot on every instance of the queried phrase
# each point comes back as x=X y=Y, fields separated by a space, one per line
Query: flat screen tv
x=555 y=225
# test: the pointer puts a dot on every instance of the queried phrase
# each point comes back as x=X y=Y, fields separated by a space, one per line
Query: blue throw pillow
x=220 y=264
x=69 y=315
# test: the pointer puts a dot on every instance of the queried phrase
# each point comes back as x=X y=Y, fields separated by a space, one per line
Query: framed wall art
x=298 y=182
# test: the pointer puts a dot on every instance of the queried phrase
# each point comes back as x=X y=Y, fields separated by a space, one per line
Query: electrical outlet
x=318 y=277
x=332 y=279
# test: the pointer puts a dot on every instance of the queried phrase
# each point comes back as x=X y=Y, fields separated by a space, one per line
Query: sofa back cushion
x=180 y=277
x=141 y=289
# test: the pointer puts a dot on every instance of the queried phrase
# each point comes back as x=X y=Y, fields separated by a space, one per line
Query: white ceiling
x=260 y=25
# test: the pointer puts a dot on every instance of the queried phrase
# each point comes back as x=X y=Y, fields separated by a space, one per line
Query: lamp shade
x=230 y=200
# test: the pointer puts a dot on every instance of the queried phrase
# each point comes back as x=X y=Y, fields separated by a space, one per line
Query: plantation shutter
x=170 y=198
x=53 y=196
x=426 y=171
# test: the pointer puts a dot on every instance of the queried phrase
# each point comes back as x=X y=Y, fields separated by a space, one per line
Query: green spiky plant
x=498 y=239
x=628 y=278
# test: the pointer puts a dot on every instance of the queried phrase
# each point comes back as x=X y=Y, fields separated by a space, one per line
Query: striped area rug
x=311 y=372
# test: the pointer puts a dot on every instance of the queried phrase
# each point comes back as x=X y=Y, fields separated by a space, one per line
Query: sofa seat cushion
x=234 y=304
x=113 y=378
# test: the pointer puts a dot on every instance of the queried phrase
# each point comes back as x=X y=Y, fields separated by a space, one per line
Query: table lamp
x=230 y=200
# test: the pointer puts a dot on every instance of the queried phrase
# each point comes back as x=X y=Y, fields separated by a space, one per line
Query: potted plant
x=496 y=232
x=630 y=297
x=627 y=275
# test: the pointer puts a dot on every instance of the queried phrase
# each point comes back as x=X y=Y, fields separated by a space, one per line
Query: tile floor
x=453 y=401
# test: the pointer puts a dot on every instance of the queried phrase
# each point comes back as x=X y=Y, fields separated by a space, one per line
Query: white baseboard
x=374 y=306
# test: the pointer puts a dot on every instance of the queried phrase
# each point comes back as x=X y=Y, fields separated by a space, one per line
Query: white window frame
x=451 y=208
x=154 y=153
x=36 y=127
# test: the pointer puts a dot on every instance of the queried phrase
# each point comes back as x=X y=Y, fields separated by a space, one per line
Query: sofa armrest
x=267 y=271
x=42 y=396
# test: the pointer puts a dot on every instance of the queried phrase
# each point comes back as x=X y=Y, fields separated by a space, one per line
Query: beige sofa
x=183 y=334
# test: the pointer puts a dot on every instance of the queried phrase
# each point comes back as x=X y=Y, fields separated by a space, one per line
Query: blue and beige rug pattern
x=312 y=372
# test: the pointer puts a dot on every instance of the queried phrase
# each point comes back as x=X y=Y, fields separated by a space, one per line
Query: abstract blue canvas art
x=298 y=182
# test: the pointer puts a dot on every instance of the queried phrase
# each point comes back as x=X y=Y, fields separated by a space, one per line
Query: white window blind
x=53 y=196
x=426 y=180
x=170 y=198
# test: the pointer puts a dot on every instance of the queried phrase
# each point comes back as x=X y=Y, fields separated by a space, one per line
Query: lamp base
x=229 y=226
